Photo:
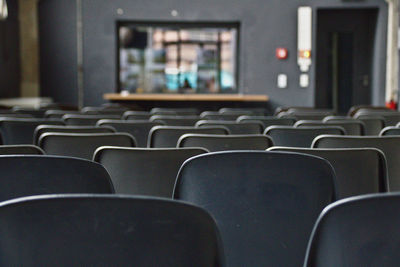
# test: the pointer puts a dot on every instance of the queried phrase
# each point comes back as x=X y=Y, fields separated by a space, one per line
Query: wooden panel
x=187 y=97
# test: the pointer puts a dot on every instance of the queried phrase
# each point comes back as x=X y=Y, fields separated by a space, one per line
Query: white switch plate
x=304 y=80
x=282 y=81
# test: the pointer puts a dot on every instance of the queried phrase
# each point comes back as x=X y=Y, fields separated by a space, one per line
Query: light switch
x=282 y=81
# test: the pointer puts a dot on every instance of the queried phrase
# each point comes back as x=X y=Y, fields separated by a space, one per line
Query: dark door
x=345 y=39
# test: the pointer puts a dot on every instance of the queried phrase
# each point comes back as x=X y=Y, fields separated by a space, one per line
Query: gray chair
x=391 y=117
x=358 y=170
x=136 y=115
x=58 y=114
x=82 y=145
x=138 y=129
x=389 y=131
x=41 y=129
x=29 y=175
x=214 y=143
x=267 y=120
x=174 y=111
x=234 y=127
x=216 y=116
x=88 y=120
x=373 y=124
x=98 y=230
x=168 y=136
x=299 y=137
x=175 y=120
x=351 y=127
x=265 y=203
x=21 y=150
x=360 y=231
x=254 y=111
x=141 y=171
x=389 y=145
x=20 y=131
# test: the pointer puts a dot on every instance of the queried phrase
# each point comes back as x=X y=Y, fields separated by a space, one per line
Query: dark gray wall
x=265 y=25
x=57 y=35
x=9 y=53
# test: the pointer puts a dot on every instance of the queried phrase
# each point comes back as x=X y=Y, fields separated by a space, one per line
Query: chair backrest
x=254 y=111
x=389 y=145
x=391 y=117
x=136 y=115
x=71 y=119
x=234 y=127
x=265 y=203
x=28 y=175
x=360 y=231
x=390 y=130
x=358 y=170
x=214 y=143
x=103 y=111
x=41 y=129
x=299 y=137
x=58 y=114
x=175 y=120
x=36 y=113
x=351 y=127
x=168 y=136
x=353 y=110
x=97 y=230
x=82 y=145
x=138 y=129
x=174 y=111
x=20 y=131
x=141 y=171
x=267 y=121
x=373 y=124
x=21 y=150
x=216 y=116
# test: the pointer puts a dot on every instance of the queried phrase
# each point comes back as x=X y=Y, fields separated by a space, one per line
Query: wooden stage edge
x=187 y=97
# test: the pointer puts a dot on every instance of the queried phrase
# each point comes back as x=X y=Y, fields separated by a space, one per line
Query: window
x=177 y=57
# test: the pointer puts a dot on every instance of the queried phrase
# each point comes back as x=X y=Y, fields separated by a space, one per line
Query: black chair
x=175 y=120
x=82 y=145
x=21 y=150
x=373 y=124
x=358 y=171
x=20 y=131
x=138 y=129
x=28 y=175
x=58 y=114
x=254 y=111
x=103 y=111
x=167 y=136
x=216 y=116
x=389 y=131
x=237 y=112
x=351 y=127
x=267 y=121
x=136 y=115
x=354 y=109
x=389 y=145
x=71 y=119
x=299 y=137
x=97 y=230
x=41 y=129
x=307 y=114
x=174 y=111
x=391 y=117
x=214 y=143
x=36 y=113
x=361 y=231
x=265 y=203
x=234 y=127
x=141 y=171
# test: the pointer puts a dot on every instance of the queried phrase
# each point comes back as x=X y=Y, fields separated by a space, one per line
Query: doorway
x=345 y=42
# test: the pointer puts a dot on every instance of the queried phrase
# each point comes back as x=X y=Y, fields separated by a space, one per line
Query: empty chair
x=299 y=137
x=141 y=171
x=267 y=120
x=389 y=145
x=234 y=127
x=351 y=127
x=216 y=116
x=41 y=129
x=58 y=114
x=372 y=124
x=167 y=136
x=390 y=130
x=136 y=115
x=20 y=131
x=36 y=113
x=21 y=150
x=214 y=143
x=15 y=115
x=361 y=231
x=337 y=118
x=254 y=111
x=71 y=119
x=82 y=145
x=98 y=230
x=312 y=114
x=354 y=109
x=104 y=111
x=391 y=117
x=175 y=120
x=358 y=171
x=265 y=203
x=236 y=112
x=174 y=111
x=138 y=129
x=28 y=175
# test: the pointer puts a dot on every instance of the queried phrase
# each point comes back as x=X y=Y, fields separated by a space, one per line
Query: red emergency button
x=281 y=53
